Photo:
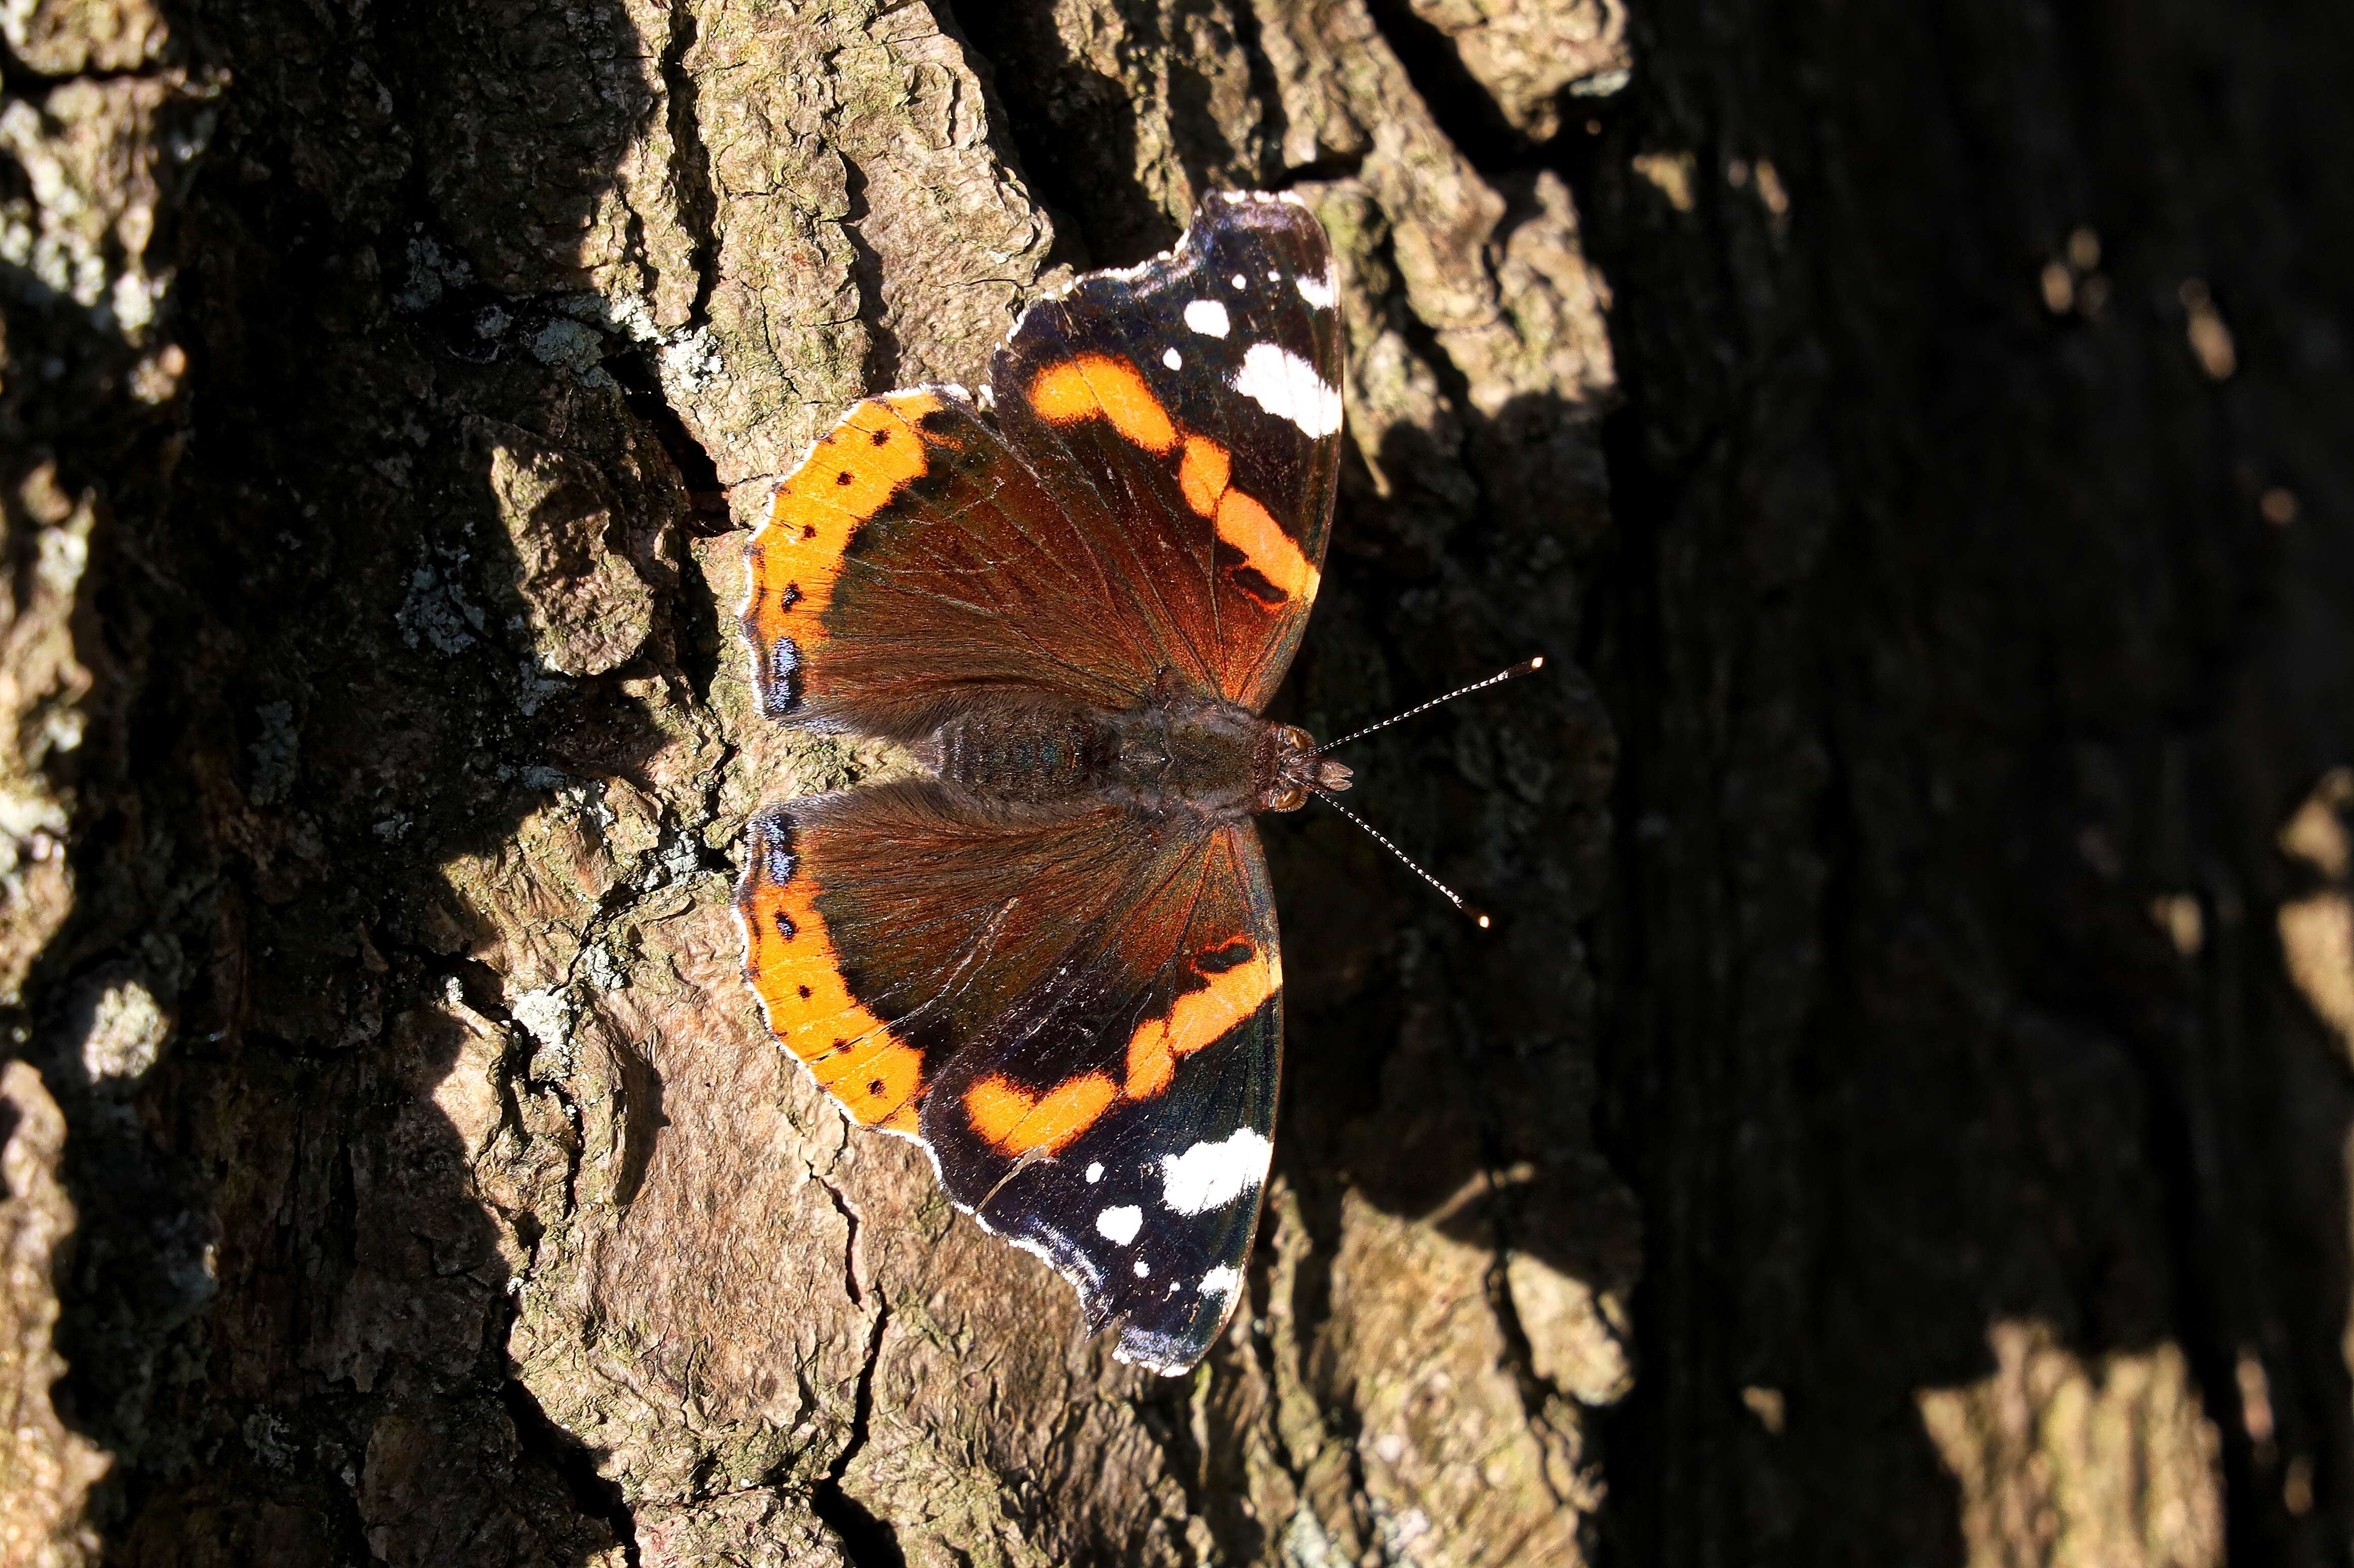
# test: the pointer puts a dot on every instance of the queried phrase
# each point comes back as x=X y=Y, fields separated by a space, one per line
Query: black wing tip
x=786 y=819
x=1167 y=1355
x=771 y=823
x=1258 y=209
x=1173 y=1350
x=772 y=838
x=776 y=674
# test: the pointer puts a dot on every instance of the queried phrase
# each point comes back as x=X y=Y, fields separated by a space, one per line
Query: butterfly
x=1052 y=959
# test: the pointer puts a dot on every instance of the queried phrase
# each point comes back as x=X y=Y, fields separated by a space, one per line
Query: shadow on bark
x=1965 y=675
x=318 y=682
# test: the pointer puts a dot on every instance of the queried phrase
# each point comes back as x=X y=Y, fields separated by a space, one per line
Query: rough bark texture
x=1902 y=1116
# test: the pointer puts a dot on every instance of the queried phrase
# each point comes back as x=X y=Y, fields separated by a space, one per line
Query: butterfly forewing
x=1200 y=391
x=1117 y=1117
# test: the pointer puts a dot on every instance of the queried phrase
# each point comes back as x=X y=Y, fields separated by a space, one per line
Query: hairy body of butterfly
x=1053 y=961
x=1172 y=755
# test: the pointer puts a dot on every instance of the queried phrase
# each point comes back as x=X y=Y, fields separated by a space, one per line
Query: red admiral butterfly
x=1052 y=962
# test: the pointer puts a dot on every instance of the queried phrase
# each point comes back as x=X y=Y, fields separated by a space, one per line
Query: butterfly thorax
x=1168 y=754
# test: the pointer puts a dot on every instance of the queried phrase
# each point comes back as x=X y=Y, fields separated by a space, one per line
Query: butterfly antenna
x=1526 y=667
x=1479 y=917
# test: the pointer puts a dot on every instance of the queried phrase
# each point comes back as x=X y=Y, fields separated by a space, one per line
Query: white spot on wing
x=1143 y=1269
x=1207 y=317
x=1318 y=292
x=1173 y=360
x=1122 y=1223
x=1236 y=280
x=1211 y=1175
x=1221 y=1281
x=1095 y=1172
x=1288 y=387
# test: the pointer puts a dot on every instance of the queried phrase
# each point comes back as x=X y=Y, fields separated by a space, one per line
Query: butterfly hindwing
x=1080 y=1017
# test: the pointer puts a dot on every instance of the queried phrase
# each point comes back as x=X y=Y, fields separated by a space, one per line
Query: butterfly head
x=1292 y=770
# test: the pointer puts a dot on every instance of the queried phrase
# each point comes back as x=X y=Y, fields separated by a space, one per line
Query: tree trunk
x=1902 y=1115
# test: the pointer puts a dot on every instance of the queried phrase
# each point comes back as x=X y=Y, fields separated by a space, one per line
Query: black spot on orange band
x=797 y=972
x=795 y=557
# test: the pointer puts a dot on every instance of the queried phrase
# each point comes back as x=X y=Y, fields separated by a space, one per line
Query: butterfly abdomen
x=1024 y=752
x=1212 y=758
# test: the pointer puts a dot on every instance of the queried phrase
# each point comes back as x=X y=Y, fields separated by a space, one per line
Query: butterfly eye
x=1283 y=796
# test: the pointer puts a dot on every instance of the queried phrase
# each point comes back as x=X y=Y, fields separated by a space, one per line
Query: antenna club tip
x=1480 y=920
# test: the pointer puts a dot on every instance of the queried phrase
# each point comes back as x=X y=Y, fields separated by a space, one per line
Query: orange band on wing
x=1015 y=1122
x=1266 y=549
x=793 y=964
x=794 y=557
x=1202 y=474
x=1094 y=386
x=1200 y=1018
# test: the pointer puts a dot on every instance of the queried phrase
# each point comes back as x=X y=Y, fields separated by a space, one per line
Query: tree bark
x=1902 y=1114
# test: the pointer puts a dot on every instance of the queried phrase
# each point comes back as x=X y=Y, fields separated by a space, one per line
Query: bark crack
x=698 y=203
x=707 y=497
x=1464 y=112
x=842 y=1207
x=23 y=81
x=882 y=366
x=867 y=1542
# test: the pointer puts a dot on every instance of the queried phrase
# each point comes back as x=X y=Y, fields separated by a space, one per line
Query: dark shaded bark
x=1979 y=616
